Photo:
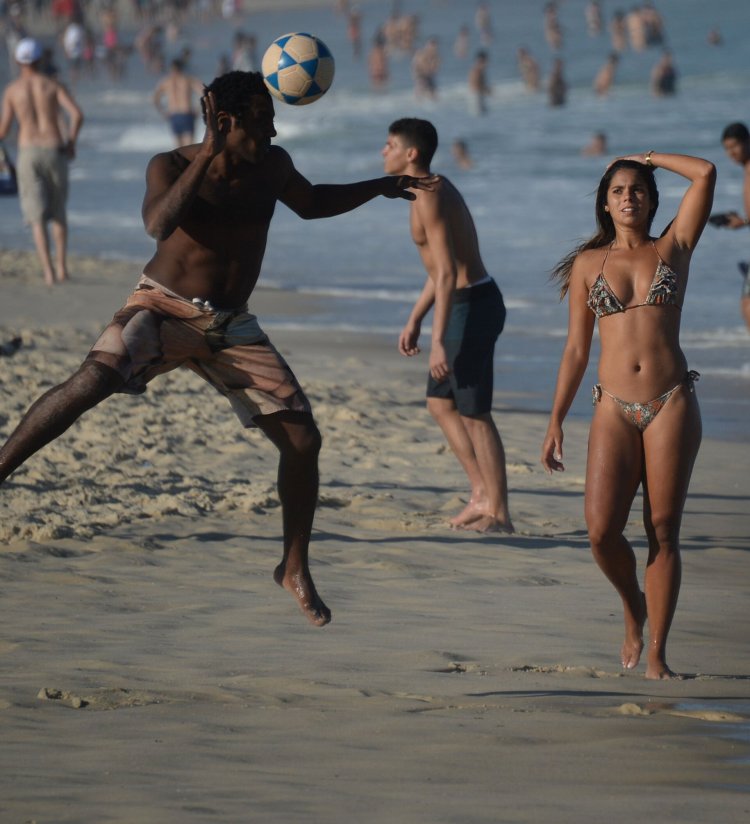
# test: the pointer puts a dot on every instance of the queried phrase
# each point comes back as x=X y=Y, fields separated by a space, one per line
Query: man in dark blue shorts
x=469 y=314
x=174 y=98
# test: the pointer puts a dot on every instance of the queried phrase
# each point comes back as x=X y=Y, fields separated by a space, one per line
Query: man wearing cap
x=40 y=106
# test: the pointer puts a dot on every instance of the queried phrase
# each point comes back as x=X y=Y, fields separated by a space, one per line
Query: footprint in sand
x=562 y=669
x=106 y=698
x=712 y=715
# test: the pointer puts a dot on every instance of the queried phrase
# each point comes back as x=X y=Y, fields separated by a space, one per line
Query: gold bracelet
x=648 y=158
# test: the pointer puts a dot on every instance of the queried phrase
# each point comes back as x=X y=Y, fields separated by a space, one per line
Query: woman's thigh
x=670 y=445
x=613 y=470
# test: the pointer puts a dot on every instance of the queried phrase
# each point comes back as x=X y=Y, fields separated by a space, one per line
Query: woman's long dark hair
x=605 y=233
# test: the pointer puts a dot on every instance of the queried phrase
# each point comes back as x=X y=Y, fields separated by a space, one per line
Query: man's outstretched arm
x=328 y=200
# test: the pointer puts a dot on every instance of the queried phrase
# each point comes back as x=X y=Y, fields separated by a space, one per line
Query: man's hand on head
x=215 y=137
x=399 y=185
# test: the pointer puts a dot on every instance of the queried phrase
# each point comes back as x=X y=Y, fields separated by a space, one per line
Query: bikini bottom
x=641 y=414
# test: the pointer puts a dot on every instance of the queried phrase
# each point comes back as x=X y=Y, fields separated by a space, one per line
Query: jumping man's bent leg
x=56 y=410
x=298 y=440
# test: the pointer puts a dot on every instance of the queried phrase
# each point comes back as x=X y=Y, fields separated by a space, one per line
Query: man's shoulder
x=445 y=192
x=15 y=87
x=279 y=158
x=176 y=160
x=279 y=153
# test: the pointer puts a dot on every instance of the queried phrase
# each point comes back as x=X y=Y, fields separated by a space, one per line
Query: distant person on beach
x=74 y=46
x=664 y=76
x=635 y=23
x=468 y=316
x=597 y=146
x=209 y=207
x=483 y=23
x=553 y=33
x=557 y=86
x=528 y=68
x=593 y=14
x=618 y=31
x=736 y=142
x=377 y=62
x=646 y=426
x=425 y=66
x=48 y=121
x=354 y=31
x=460 y=152
x=479 y=87
x=173 y=99
x=244 y=47
x=461 y=43
x=605 y=77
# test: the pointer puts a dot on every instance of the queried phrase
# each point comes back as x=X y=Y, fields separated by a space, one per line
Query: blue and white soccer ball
x=298 y=68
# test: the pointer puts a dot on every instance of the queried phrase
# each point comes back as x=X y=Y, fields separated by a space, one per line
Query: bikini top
x=663 y=291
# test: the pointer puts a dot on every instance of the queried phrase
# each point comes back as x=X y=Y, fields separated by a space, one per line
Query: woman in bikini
x=646 y=426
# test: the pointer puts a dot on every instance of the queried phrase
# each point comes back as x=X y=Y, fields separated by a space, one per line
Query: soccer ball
x=297 y=68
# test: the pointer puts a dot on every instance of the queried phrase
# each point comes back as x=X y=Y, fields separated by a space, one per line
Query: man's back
x=445 y=205
x=178 y=89
x=35 y=101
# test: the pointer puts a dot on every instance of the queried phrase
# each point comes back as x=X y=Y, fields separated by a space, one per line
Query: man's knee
x=309 y=442
x=440 y=407
x=295 y=434
x=478 y=421
x=94 y=379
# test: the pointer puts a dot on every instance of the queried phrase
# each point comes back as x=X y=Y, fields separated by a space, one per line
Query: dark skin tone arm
x=326 y=200
x=209 y=206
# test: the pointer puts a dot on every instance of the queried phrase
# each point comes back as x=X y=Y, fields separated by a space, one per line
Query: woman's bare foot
x=632 y=646
x=473 y=510
x=661 y=672
x=301 y=585
x=488 y=523
x=657 y=669
x=62 y=276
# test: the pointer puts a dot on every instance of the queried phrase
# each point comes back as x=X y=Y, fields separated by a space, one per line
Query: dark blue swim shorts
x=476 y=320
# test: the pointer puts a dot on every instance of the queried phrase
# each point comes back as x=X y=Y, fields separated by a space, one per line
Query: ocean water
x=530 y=190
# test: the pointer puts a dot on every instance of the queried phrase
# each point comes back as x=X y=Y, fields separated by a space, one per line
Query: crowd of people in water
x=93 y=36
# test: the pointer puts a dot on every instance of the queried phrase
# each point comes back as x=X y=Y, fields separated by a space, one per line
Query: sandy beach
x=153 y=672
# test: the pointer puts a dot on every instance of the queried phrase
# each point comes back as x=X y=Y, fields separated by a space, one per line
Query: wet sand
x=153 y=672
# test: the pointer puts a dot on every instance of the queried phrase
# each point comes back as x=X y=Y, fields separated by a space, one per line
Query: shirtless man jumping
x=209 y=207
x=469 y=315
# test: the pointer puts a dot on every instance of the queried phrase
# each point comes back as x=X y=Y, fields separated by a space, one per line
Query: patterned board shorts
x=157 y=331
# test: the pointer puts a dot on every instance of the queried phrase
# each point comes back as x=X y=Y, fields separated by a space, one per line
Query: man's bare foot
x=301 y=585
x=632 y=646
x=488 y=523
x=471 y=512
x=63 y=277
